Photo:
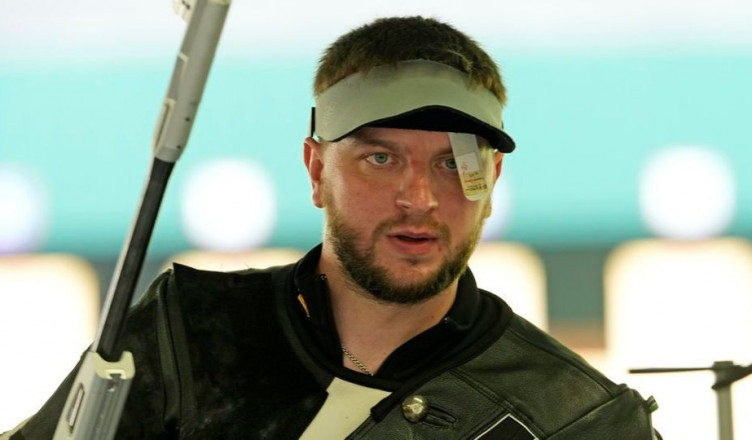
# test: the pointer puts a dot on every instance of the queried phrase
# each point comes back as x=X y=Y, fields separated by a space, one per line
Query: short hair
x=387 y=41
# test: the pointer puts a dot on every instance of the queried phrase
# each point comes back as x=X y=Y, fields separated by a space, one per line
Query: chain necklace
x=356 y=361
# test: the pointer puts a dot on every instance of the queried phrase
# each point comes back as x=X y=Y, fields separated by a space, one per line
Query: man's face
x=397 y=218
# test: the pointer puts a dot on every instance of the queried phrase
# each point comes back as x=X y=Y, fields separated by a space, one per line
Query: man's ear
x=313 y=160
x=498 y=159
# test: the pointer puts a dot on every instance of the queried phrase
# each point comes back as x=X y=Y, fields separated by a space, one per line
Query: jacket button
x=415 y=408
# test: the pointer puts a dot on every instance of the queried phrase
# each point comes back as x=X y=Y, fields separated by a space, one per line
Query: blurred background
x=622 y=222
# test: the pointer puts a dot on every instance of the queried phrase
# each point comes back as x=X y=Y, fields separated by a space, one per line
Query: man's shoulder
x=523 y=343
x=536 y=345
x=199 y=288
x=186 y=276
x=543 y=380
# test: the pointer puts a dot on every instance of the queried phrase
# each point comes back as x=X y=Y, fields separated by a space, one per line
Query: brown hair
x=391 y=40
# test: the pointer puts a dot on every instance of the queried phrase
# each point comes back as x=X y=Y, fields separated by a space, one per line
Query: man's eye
x=450 y=163
x=379 y=158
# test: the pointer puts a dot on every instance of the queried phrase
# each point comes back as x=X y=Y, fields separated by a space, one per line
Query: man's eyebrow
x=372 y=141
x=365 y=140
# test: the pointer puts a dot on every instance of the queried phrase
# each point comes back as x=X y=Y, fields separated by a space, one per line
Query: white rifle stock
x=95 y=403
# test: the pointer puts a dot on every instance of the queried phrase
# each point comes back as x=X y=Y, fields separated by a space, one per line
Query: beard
x=366 y=275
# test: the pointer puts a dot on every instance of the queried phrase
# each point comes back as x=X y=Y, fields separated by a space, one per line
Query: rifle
x=95 y=403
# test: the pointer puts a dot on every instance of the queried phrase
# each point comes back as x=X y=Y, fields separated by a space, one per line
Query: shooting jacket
x=224 y=355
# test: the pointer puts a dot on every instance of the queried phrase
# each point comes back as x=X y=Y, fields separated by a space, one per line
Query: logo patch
x=507 y=428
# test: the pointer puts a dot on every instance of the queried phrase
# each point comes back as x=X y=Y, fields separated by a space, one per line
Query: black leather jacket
x=218 y=356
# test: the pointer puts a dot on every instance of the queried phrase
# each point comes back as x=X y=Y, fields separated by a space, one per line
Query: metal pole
x=725 y=407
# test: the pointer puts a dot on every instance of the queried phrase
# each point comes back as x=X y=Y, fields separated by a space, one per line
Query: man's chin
x=411 y=273
x=407 y=287
x=400 y=264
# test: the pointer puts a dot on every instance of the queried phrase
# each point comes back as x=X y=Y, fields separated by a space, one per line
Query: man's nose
x=416 y=194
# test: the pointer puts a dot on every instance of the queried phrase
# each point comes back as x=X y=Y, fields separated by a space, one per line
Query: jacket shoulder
x=186 y=277
x=548 y=385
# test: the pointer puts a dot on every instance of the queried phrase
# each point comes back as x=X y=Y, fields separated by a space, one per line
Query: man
x=380 y=332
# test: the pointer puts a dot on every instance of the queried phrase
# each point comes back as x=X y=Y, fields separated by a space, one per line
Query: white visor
x=415 y=94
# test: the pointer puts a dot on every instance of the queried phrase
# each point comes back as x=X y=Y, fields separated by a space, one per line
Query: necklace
x=356 y=361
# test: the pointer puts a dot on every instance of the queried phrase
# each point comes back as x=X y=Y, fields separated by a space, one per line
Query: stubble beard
x=366 y=275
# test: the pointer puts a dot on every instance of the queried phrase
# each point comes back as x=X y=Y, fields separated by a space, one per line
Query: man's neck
x=371 y=329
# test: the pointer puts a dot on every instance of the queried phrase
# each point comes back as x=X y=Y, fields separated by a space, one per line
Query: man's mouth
x=414 y=241
x=414 y=238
